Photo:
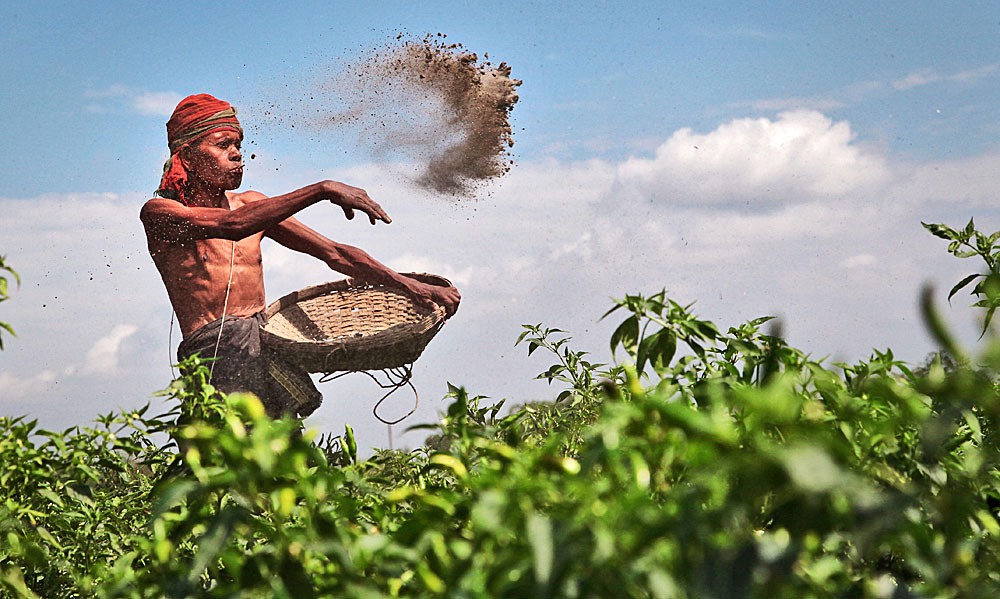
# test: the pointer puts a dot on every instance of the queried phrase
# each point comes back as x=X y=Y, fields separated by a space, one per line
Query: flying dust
x=426 y=103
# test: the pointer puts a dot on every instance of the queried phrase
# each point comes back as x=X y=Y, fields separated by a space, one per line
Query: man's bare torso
x=196 y=274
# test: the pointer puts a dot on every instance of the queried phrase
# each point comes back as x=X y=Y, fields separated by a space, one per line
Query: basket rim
x=427 y=321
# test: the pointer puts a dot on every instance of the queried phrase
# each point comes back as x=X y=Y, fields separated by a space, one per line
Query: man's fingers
x=450 y=300
x=348 y=212
x=377 y=213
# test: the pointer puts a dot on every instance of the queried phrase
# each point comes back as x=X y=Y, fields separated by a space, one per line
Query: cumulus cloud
x=799 y=155
x=410 y=262
x=971 y=182
x=103 y=356
x=144 y=102
x=783 y=213
x=16 y=387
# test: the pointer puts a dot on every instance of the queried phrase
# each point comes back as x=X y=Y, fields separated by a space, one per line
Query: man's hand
x=431 y=296
x=354 y=198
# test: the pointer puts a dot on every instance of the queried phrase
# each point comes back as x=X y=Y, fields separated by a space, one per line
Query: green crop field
x=706 y=461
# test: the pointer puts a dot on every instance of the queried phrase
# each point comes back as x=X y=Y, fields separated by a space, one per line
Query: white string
x=170 y=346
x=225 y=306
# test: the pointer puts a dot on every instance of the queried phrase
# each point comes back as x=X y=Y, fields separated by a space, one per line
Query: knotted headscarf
x=195 y=117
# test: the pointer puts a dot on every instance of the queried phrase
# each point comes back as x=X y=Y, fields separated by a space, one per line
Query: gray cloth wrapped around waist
x=242 y=364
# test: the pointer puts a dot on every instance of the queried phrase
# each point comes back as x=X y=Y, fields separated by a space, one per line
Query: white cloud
x=975 y=74
x=156 y=103
x=103 y=356
x=859 y=91
x=746 y=31
x=971 y=182
x=916 y=79
x=14 y=387
x=799 y=155
x=858 y=261
x=817 y=103
x=416 y=263
x=115 y=90
x=786 y=214
x=144 y=102
x=928 y=76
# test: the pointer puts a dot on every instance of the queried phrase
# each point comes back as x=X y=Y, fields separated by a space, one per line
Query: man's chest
x=210 y=258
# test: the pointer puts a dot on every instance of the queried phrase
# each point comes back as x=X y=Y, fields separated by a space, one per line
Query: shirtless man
x=205 y=242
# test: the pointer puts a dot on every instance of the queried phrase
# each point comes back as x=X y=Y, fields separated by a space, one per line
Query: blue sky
x=613 y=77
x=769 y=157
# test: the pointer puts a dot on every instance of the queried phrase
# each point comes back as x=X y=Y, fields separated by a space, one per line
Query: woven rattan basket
x=347 y=326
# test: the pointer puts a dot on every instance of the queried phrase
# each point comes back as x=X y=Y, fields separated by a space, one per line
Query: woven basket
x=349 y=325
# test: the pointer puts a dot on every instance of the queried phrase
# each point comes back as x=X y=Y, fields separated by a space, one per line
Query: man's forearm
x=355 y=262
x=263 y=214
x=346 y=259
x=358 y=264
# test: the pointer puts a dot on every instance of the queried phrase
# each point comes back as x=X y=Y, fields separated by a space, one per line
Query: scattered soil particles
x=425 y=103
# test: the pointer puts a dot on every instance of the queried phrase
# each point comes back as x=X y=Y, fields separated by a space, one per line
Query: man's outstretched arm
x=355 y=262
x=174 y=221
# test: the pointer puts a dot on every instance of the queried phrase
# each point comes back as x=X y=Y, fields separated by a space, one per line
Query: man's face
x=216 y=159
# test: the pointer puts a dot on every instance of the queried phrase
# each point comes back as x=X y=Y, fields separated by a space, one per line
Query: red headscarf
x=195 y=117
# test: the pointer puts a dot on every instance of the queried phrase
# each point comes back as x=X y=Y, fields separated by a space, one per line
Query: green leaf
x=3 y=266
x=618 y=305
x=48 y=538
x=173 y=493
x=970 y=228
x=962 y=284
x=987 y=320
x=295 y=579
x=941 y=231
x=14 y=578
x=350 y=444
x=51 y=496
x=542 y=549
x=214 y=539
x=626 y=335
x=658 y=349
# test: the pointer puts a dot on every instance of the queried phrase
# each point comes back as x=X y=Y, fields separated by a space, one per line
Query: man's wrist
x=327 y=190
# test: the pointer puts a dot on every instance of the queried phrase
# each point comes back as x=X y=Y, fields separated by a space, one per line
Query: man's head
x=215 y=159
x=204 y=137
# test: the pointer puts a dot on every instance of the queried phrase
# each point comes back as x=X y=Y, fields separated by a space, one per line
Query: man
x=205 y=242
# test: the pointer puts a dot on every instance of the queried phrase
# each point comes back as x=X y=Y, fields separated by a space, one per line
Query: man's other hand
x=354 y=198
x=431 y=296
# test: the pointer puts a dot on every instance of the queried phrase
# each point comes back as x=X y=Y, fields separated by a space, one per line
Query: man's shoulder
x=245 y=197
x=155 y=205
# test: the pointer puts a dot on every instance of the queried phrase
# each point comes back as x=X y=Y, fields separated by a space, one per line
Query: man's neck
x=200 y=194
